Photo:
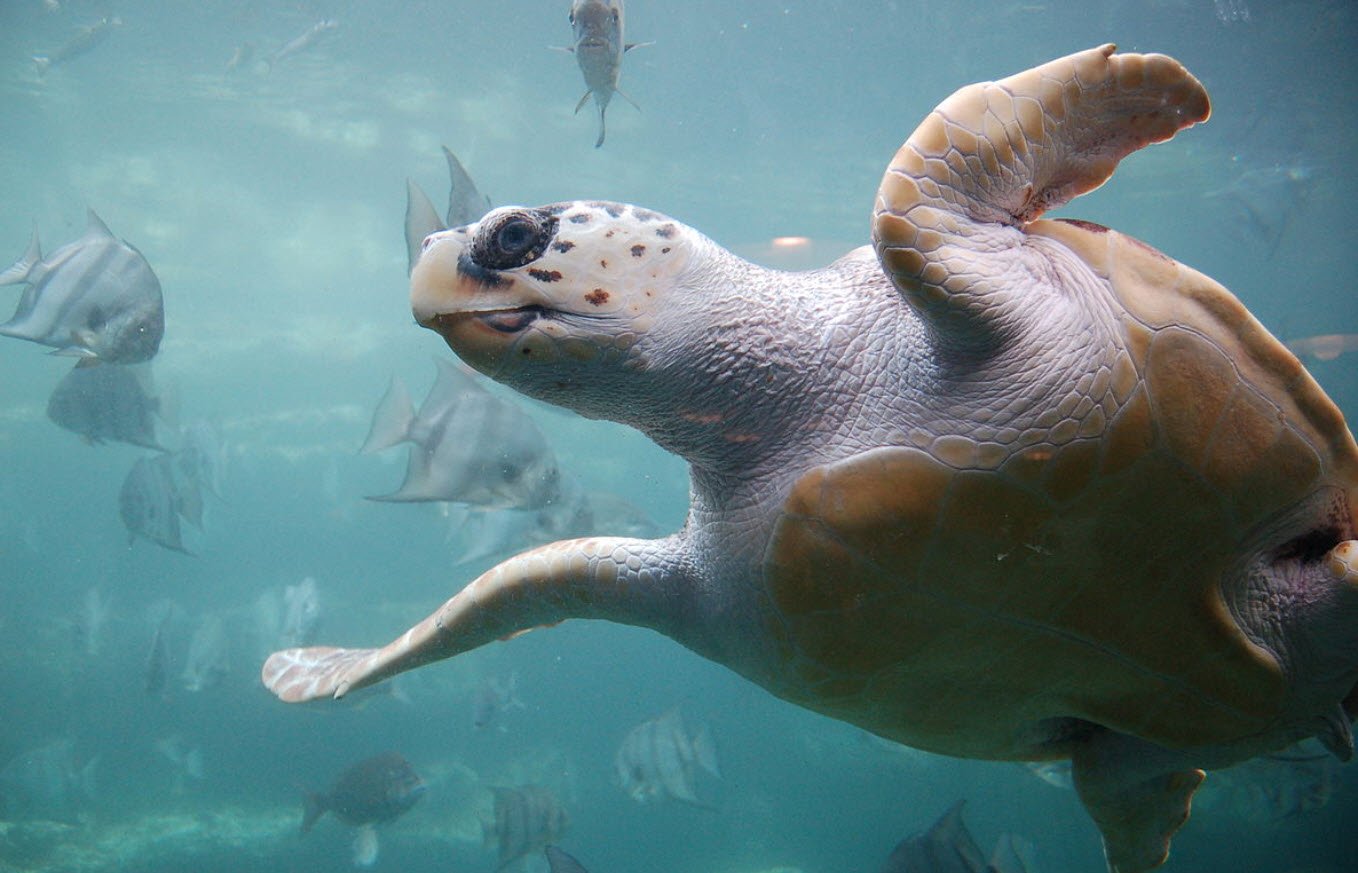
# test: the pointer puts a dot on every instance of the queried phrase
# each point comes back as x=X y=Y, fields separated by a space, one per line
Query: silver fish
x=209 y=659
x=150 y=502
x=493 y=697
x=85 y=39
x=526 y=820
x=93 y=617
x=158 y=658
x=111 y=403
x=598 y=49
x=465 y=205
x=469 y=445
x=658 y=758
x=302 y=613
x=948 y=847
x=96 y=298
x=559 y=862
x=303 y=41
x=45 y=783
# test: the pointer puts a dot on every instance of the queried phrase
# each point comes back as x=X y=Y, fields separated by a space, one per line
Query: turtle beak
x=478 y=312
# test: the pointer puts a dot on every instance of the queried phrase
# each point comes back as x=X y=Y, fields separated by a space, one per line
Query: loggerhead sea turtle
x=1009 y=488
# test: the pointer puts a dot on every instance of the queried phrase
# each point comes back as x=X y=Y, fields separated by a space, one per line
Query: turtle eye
x=513 y=239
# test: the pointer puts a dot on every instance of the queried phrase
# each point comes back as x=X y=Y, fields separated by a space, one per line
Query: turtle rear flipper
x=1137 y=795
x=996 y=155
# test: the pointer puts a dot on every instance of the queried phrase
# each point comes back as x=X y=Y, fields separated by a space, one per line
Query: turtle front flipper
x=630 y=581
x=948 y=220
x=1138 y=794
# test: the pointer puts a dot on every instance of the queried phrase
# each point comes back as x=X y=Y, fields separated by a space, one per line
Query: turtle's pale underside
x=1003 y=488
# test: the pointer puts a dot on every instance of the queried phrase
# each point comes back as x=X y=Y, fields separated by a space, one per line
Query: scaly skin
x=1028 y=489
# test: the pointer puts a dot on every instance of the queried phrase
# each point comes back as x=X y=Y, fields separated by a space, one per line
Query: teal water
x=270 y=206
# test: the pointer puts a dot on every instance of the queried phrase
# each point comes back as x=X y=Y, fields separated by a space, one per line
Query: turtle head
x=555 y=301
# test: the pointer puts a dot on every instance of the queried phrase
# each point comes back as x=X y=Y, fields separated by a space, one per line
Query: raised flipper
x=624 y=580
x=1138 y=794
x=996 y=155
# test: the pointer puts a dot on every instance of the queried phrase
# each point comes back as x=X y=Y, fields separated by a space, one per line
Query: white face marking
x=566 y=280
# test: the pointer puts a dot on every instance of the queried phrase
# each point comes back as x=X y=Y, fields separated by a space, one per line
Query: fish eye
x=513 y=239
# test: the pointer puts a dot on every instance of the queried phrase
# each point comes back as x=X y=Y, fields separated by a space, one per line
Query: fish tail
x=313 y=807
x=600 y=141
x=21 y=269
x=705 y=751
x=392 y=420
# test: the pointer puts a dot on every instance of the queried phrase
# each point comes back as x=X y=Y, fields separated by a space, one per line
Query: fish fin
x=42 y=62
x=624 y=96
x=365 y=846
x=555 y=48
x=422 y=219
x=583 y=97
x=637 y=45
x=313 y=807
x=600 y=141
x=1137 y=797
x=21 y=269
x=705 y=751
x=95 y=225
x=392 y=420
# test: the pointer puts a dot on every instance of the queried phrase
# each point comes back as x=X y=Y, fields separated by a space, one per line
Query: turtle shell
x=1094 y=569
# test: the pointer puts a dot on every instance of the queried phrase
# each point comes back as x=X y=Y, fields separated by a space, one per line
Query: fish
x=244 y=53
x=85 y=39
x=948 y=847
x=1325 y=347
x=157 y=670
x=493 y=697
x=46 y=783
x=658 y=758
x=559 y=862
x=209 y=660
x=1272 y=788
x=1264 y=200
x=95 y=298
x=114 y=403
x=151 y=504
x=470 y=446
x=302 y=41
x=526 y=820
x=201 y=457
x=598 y=48
x=371 y=792
x=93 y=618
x=302 y=613
x=186 y=761
x=465 y=205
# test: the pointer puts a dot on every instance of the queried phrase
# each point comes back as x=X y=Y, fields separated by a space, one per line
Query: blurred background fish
x=469 y=445
x=559 y=862
x=96 y=298
x=948 y=847
x=303 y=41
x=107 y=404
x=85 y=40
x=1324 y=347
x=525 y=820
x=375 y=790
x=493 y=697
x=208 y=660
x=659 y=758
x=151 y=502
x=47 y=782
x=301 y=613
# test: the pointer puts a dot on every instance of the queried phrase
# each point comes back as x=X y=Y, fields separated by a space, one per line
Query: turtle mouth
x=507 y=321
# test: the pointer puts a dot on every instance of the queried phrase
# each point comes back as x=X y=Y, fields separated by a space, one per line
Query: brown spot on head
x=638 y=250
x=610 y=233
x=665 y=231
x=645 y=215
x=579 y=218
x=665 y=250
x=613 y=209
x=545 y=275
x=564 y=245
x=597 y=297
x=603 y=263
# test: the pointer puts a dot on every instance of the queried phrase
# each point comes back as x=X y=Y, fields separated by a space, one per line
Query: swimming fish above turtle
x=996 y=487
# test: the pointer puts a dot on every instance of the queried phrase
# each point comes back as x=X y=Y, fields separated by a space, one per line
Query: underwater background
x=269 y=199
